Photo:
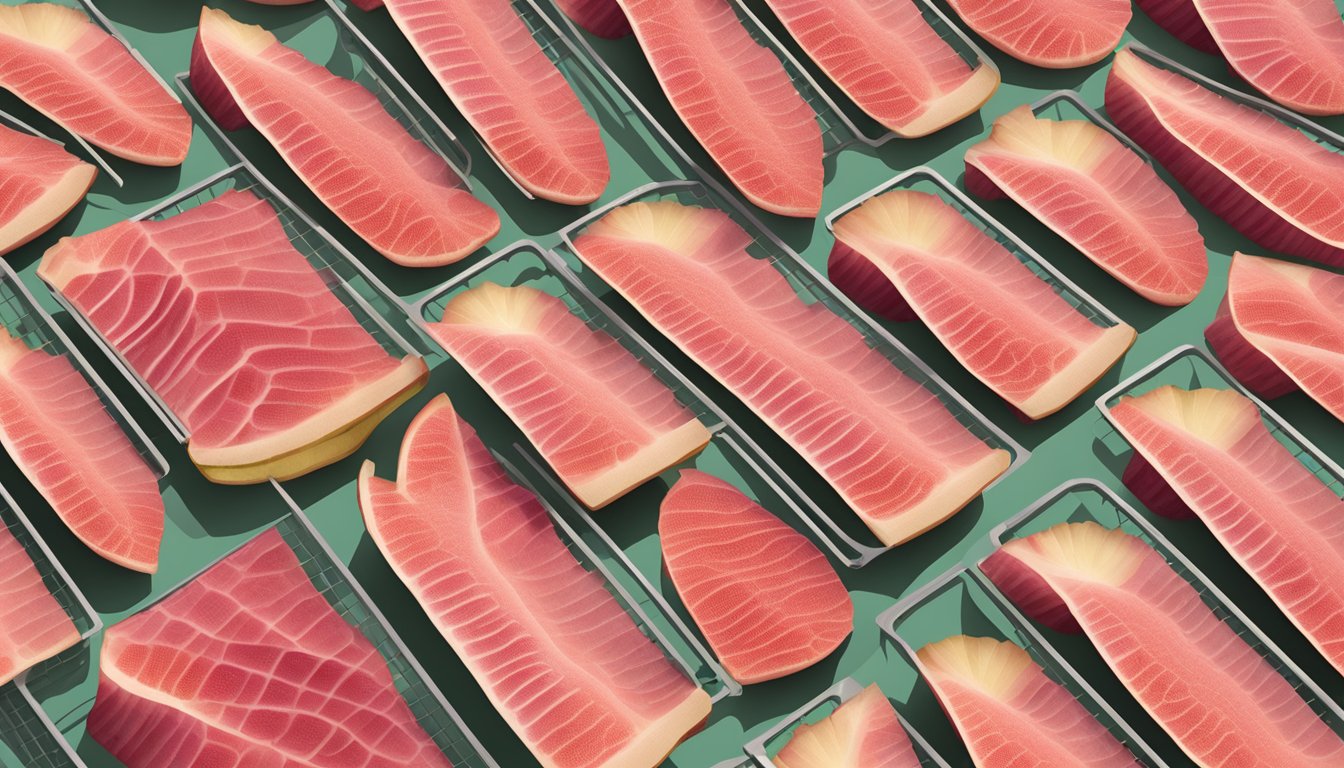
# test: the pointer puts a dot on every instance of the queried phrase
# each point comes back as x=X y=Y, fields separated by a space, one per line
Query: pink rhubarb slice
x=764 y=596
x=1181 y=19
x=603 y=18
x=889 y=61
x=993 y=313
x=249 y=666
x=864 y=732
x=393 y=191
x=884 y=442
x=33 y=625
x=1094 y=192
x=238 y=334
x=601 y=419
x=1058 y=34
x=1217 y=697
x=557 y=656
x=39 y=184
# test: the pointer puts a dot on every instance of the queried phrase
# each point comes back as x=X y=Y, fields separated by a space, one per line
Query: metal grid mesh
x=25 y=739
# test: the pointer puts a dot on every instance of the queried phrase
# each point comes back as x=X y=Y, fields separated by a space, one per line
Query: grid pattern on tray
x=54 y=575
x=26 y=739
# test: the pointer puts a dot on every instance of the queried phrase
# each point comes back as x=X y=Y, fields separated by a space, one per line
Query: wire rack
x=26 y=741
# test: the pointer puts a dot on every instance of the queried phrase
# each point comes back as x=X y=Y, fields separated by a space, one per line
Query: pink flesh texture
x=888 y=445
x=62 y=438
x=70 y=70
x=230 y=326
x=249 y=666
x=997 y=317
x=1257 y=372
x=1290 y=50
x=603 y=18
x=555 y=653
x=864 y=732
x=764 y=596
x=39 y=184
x=392 y=190
x=1269 y=181
x=889 y=60
x=1094 y=192
x=1048 y=33
x=488 y=63
x=601 y=419
x=1276 y=518
x=1009 y=713
x=1180 y=18
x=1210 y=690
x=737 y=100
x=33 y=625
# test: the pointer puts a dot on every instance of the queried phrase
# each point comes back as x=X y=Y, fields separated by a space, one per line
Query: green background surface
x=204 y=520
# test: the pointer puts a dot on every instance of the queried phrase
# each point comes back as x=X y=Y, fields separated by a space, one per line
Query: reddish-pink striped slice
x=887 y=58
x=62 y=438
x=1009 y=713
x=1181 y=19
x=598 y=416
x=997 y=317
x=603 y=18
x=33 y=625
x=249 y=666
x=70 y=70
x=488 y=63
x=737 y=100
x=888 y=445
x=1104 y=199
x=1214 y=694
x=864 y=732
x=1276 y=518
x=765 y=597
x=39 y=184
x=1048 y=33
x=1269 y=181
x=402 y=198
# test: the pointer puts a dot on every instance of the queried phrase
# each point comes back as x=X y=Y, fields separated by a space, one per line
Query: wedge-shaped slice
x=65 y=66
x=392 y=190
x=1181 y=19
x=249 y=665
x=555 y=653
x=1009 y=713
x=765 y=597
x=1094 y=192
x=887 y=58
x=603 y=18
x=33 y=625
x=1214 y=694
x=62 y=438
x=1048 y=33
x=488 y=63
x=39 y=184
x=887 y=444
x=737 y=100
x=1276 y=518
x=1268 y=180
x=997 y=317
x=237 y=334
x=601 y=419
x=864 y=732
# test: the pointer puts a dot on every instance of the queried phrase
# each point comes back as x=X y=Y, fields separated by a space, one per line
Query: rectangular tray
x=812 y=288
x=26 y=739
x=63 y=693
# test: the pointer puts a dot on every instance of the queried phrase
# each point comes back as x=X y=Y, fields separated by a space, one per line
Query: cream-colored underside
x=1079 y=375
x=48 y=209
x=947 y=109
x=946 y=500
x=667 y=451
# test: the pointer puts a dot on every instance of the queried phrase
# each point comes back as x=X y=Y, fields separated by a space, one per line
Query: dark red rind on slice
x=1030 y=592
x=1181 y=20
x=1253 y=368
x=211 y=91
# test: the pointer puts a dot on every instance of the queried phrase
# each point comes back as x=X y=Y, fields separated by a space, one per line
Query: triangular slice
x=1094 y=192
x=864 y=732
x=1269 y=181
x=33 y=625
x=764 y=596
x=1048 y=33
x=62 y=438
x=603 y=18
x=39 y=184
x=1217 y=697
x=889 y=61
x=392 y=190
x=56 y=59
x=887 y=444
x=601 y=419
x=1276 y=518
x=1180 y=18
x=555 y=653
x=248 y=664
x=488 y=63
x=237 y=334
x=1008 y=712
x=737 y=100
x=996 y=316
